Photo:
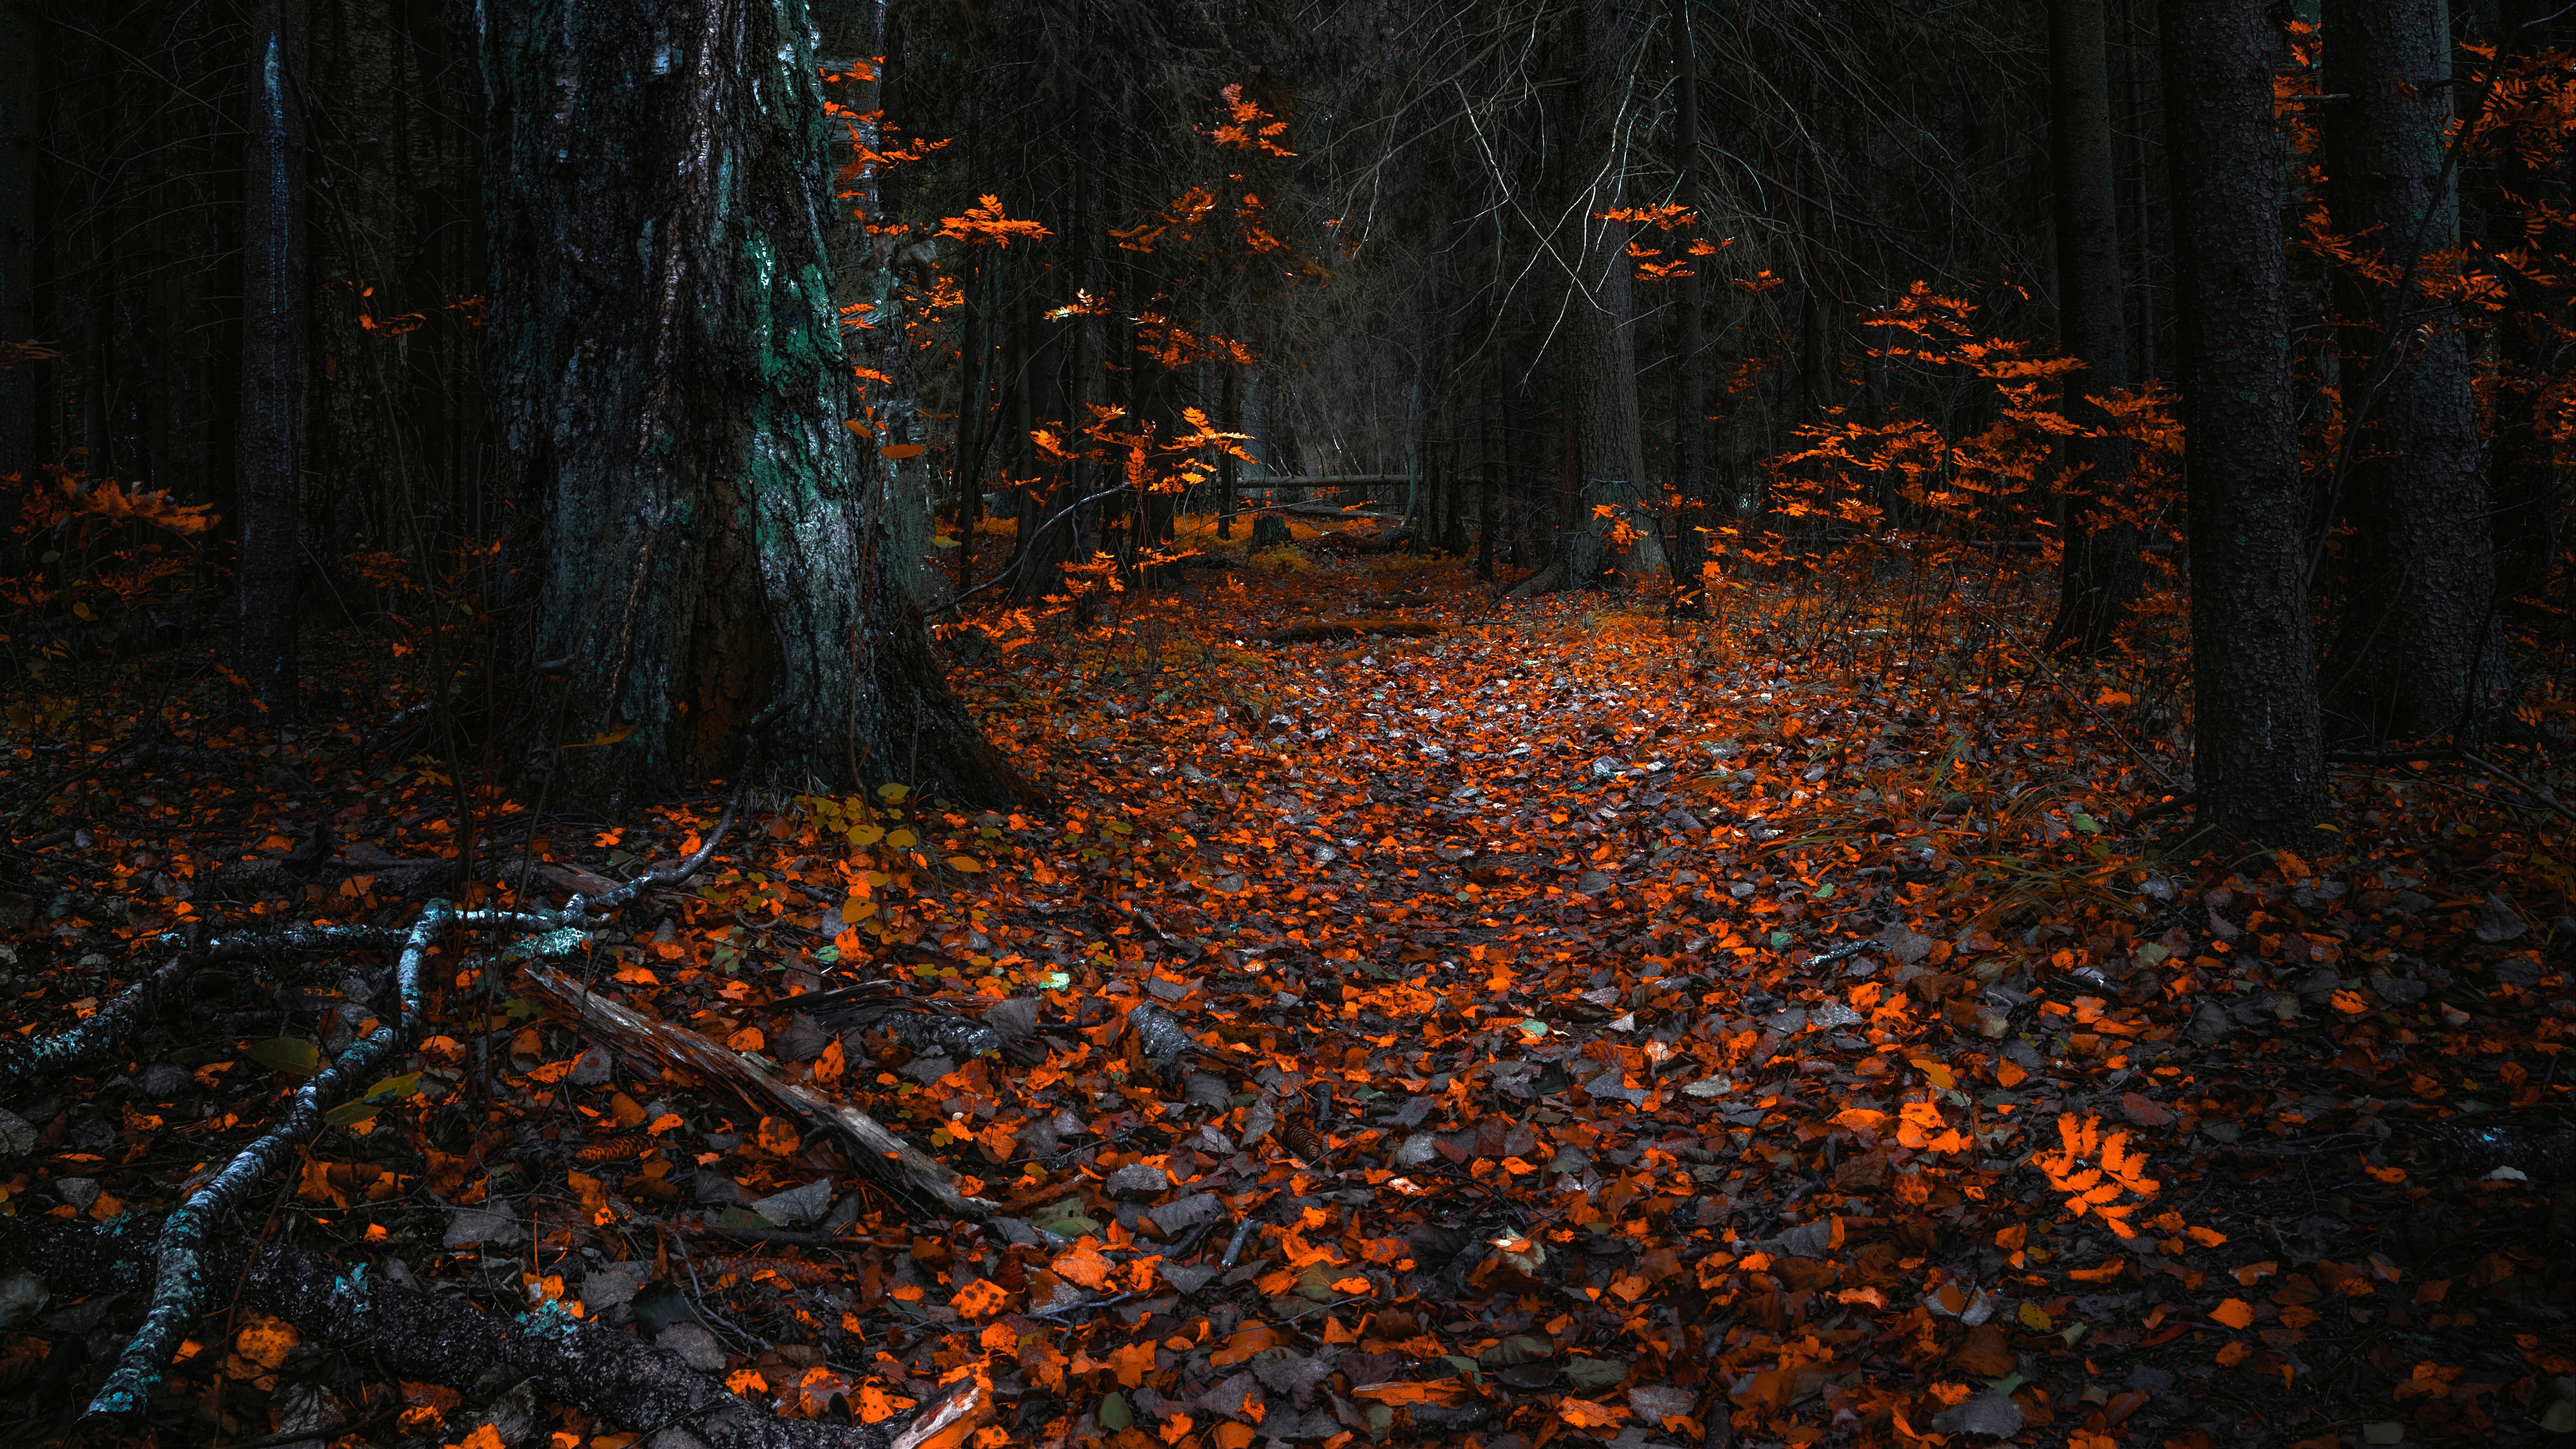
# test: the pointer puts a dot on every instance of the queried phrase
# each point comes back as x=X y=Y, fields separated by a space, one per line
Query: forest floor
x=1591 y=1030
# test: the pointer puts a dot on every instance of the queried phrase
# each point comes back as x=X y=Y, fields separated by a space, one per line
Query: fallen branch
x=887 y=1159
x=1315 y=631
x=414 y=1334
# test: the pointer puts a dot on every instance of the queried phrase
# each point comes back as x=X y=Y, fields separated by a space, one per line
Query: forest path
x=1833 y=1032
x=1561 y=1024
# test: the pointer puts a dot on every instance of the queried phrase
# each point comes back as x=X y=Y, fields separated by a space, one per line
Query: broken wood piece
x=887 y=1159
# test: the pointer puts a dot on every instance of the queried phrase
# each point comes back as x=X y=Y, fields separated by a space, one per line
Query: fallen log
x=1315 y=631
x=889 y=1161
x=409 y=1333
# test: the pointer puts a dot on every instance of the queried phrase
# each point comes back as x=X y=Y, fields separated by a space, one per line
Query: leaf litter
x=1535 y=1022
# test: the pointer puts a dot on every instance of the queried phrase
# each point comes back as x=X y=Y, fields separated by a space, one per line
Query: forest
x=1184 y=724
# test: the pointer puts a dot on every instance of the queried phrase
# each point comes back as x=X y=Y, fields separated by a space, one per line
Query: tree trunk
x=2100 y=574
x=1601 y=346
x=274 y=300
x=717 y=580
x=2258 y=756
x=21 y=388
x=2419 y=571
x=1230 y=419
x=1690 y=544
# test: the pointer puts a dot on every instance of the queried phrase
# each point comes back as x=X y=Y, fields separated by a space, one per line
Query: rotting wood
x=887 y=1159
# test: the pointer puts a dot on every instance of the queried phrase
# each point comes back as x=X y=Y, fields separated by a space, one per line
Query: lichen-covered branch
x=607 y=1373
x=180 y=1276
x=100 y=1037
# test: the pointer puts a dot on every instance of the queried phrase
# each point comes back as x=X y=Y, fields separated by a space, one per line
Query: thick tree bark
x=1601 y=346
x=2100 y=574
x=1690 y=545
x=275 y=296
x=2419 y=572
x=717 y=573
x=2258 y=755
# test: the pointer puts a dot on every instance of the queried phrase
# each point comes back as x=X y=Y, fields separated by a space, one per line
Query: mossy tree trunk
x=717 y=593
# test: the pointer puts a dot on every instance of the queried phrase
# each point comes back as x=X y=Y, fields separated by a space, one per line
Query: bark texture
x=275 y=296
x=19 y=393
x=1601 y=345
x=2419 y=569
x=2257 y=749
x=2100 y=574
x=673 y=393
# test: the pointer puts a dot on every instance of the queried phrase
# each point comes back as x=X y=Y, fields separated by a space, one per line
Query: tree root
x=605 y=1372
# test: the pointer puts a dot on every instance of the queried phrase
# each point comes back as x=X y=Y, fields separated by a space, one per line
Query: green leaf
x=1114 y=1413
x=1518 y=1349
x=892 y=793
x=1825 y=892
x=348 y=1112
x=519 y=1008
x=2088 y=824
x=1595 y=1373
x=394 y=1088
x=288 y=1054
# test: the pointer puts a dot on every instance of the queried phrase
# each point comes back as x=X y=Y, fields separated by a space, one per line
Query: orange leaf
x=2235 y=1313
x=1585 y=1414
x=1082 y=1264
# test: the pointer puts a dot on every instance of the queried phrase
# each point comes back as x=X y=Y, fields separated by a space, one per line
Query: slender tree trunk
x=974 y=375
x=2100 y=574
x=1614 y=496
x=274 y=299
x=1230 y=413
x=2258 y=754
x=21 y=388
x=1690 y=543
x=2419 y=572
x=673 y=387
